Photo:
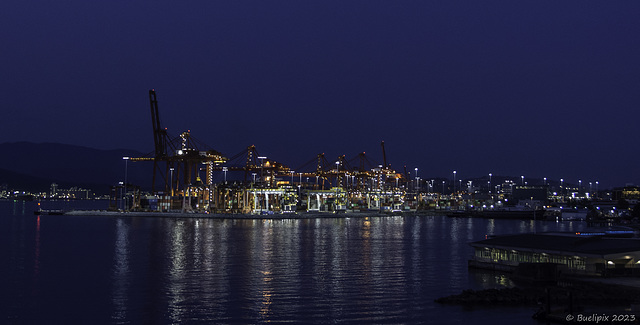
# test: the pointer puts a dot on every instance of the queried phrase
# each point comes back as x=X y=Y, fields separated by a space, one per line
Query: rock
x=582 y=293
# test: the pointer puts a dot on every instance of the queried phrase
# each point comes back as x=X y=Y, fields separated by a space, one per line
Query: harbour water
x=109 y=270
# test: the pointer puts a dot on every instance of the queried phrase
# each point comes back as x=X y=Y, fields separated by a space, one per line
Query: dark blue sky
x=534 y=88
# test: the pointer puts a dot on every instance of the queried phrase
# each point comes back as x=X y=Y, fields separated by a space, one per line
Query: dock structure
x=184 y=168
x=569 y=253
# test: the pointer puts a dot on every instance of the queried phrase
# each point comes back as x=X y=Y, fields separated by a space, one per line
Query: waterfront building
x=629 y=193
x=580 y=254
x=530 y=193
x=53 y=190
x=72 y=193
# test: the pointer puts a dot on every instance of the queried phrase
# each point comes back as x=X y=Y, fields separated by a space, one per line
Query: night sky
x=533 y=88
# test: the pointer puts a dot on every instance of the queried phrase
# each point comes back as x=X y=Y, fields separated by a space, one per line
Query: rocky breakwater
x=512 y=296
x=573 y=293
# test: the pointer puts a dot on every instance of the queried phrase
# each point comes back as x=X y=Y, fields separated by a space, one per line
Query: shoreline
x=291 y=215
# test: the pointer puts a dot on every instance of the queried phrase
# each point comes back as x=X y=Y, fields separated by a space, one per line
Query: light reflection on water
x=368 y=269
x=121 y=276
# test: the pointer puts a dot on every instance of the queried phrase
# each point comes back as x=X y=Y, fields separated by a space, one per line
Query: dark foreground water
x=70 y=269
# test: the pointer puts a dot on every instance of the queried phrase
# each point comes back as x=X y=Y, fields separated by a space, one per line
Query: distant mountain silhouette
x=34 y=166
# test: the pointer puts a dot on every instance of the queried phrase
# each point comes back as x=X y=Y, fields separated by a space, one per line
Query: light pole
x=337 y=184
x=337 y=174
x=171 y=179
x=544 y=181
x=454 y=181
x=254 y=177
x=442 y=187
x=579 y=186
x=262 y=158
x=522 y=177
x=416 y=179
x=490 y=183
x=225 y=169
x=126 y=165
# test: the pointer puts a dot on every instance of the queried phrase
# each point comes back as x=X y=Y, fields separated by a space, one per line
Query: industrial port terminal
x=183 y=181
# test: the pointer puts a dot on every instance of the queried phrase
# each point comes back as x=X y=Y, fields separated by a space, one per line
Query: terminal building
x=574 y=254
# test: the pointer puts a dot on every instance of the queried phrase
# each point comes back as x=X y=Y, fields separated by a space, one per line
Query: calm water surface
x=72 y=269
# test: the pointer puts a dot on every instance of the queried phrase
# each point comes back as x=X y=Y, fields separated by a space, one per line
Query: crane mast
x=159 y=134
x=384 y=155
x=160 y=141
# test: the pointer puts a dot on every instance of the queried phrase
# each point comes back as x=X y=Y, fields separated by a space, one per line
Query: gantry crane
x=180 y=156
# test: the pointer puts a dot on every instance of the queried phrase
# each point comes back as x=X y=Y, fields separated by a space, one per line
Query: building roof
x=594 y=245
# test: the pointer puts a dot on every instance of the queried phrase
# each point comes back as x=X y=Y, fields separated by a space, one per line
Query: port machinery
x=184 y=168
